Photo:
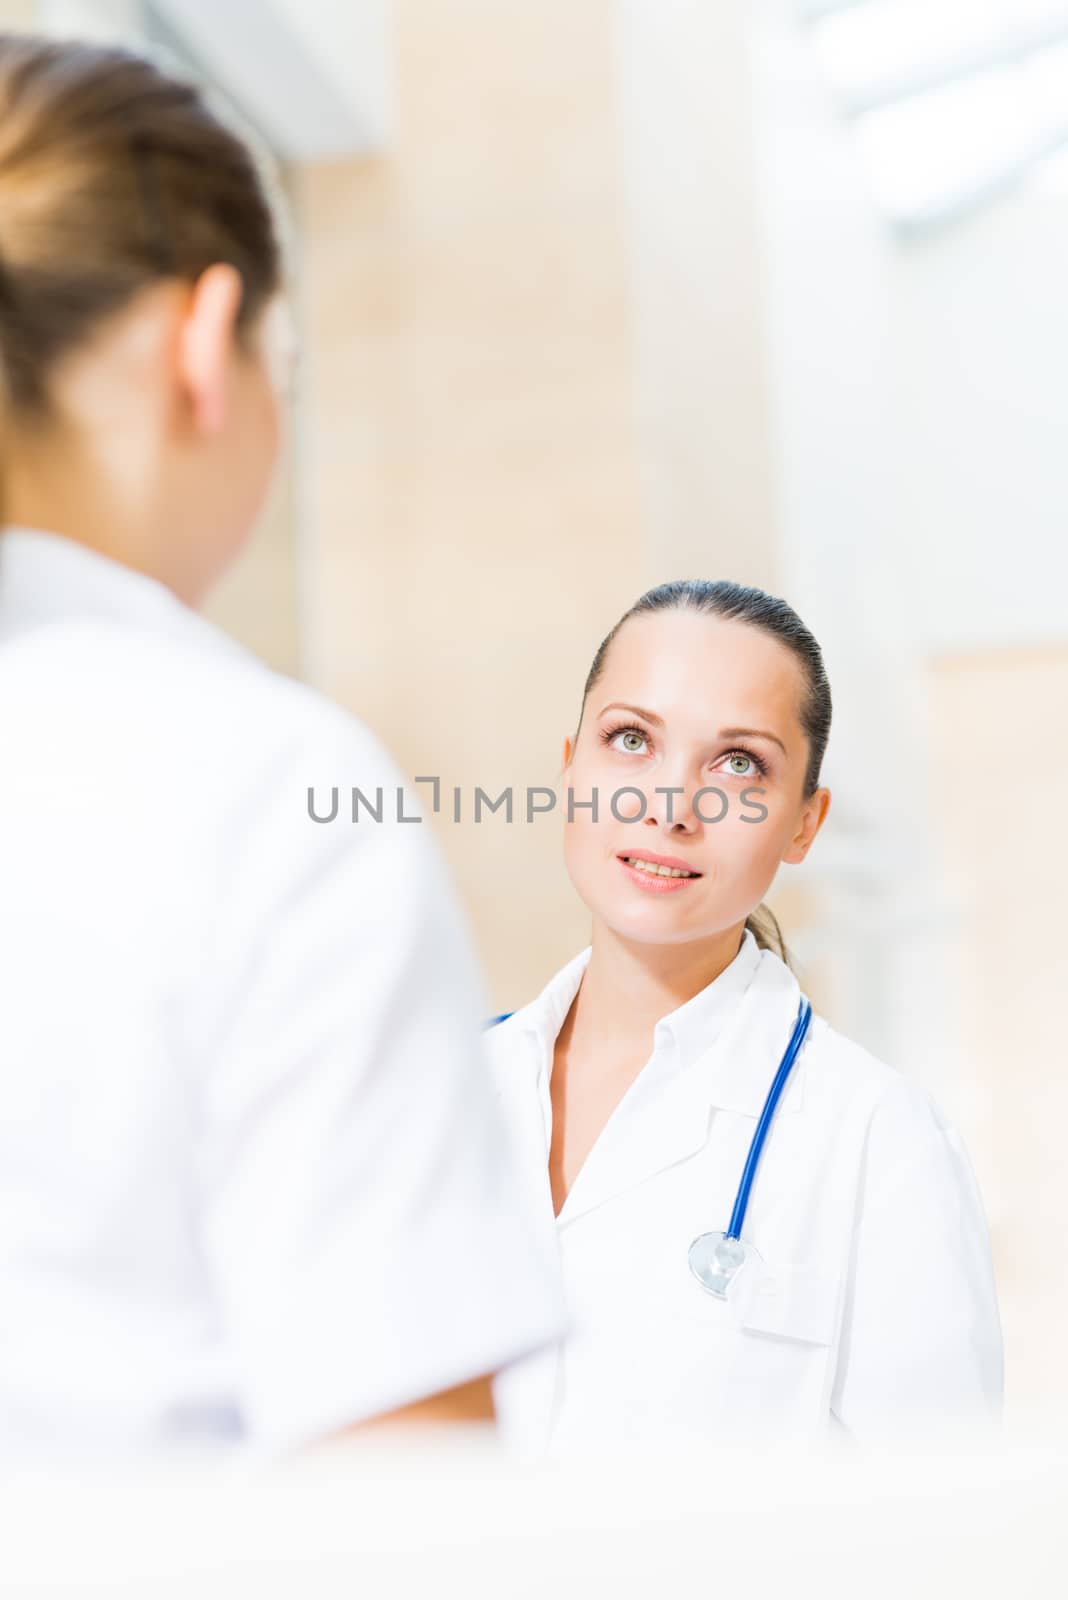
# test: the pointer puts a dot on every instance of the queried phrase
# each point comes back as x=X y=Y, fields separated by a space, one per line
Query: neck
x=628 y=986
x=60 y=492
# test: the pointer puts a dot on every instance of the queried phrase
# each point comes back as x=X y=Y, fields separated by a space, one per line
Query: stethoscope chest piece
x=715 y=1261
x=716 y=1258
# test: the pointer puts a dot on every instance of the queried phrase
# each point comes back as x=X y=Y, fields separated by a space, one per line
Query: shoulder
x=840 y=1074
x=248 y=775
x=543 y=1016
x=896 y=1116
x=842 y=1067
x=502 y=1039
x=188 y=692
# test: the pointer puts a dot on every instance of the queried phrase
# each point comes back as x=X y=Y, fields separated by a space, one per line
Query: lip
x=657 y=860
x=656 y=884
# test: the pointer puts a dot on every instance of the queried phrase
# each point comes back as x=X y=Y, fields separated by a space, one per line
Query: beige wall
x=1001 y=791
x=536 y=386
x=695 y=249
x=469 y=442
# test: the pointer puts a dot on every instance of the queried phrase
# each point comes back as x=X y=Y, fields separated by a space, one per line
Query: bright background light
x=952 y=101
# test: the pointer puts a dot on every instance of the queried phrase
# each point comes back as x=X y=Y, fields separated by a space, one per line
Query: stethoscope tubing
x=797 y=1039
x=756 y=1146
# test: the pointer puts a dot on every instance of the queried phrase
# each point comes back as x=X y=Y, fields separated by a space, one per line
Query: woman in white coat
x=241 y=1089
x=866 y=1302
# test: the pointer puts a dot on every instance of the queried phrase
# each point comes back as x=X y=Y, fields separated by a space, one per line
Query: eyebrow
x=724 y=733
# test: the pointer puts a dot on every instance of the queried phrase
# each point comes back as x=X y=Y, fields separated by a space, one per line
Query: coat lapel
x=666 y=1114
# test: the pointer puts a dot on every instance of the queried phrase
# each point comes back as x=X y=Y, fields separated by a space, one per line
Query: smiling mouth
x=655 y=871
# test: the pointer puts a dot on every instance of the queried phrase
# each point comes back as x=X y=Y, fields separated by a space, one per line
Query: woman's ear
x=812 y=821
x=206 y=345
x=569 y=750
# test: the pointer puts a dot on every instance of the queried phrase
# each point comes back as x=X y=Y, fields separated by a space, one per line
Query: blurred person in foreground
x=254 y=1190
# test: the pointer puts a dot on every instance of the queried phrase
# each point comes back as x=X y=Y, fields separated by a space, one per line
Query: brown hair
x=721 y=598
x=113 y=176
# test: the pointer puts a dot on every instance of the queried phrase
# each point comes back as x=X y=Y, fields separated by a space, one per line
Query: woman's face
x=664 y=716
x=262 y=382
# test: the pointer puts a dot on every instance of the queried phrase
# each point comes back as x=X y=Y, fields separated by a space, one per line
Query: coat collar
x=718 y=1052
x=46 y=577
x=731 y=1078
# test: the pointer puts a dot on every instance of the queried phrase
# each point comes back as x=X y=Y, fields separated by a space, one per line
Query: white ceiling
x=313 y=76
x=951 y=100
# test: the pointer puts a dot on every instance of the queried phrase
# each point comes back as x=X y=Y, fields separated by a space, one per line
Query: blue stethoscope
x=715 y=1258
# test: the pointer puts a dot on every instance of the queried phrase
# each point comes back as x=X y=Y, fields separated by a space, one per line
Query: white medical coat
x=871 y=1306
x=254 y=1185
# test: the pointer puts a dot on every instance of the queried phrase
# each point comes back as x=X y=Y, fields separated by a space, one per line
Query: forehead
x=687 y=665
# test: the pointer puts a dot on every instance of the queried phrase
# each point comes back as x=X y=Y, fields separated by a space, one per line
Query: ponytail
x=763 y=925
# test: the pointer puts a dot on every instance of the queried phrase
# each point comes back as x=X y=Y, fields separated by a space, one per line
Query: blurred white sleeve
x=921 y=1345
x=365 y=1227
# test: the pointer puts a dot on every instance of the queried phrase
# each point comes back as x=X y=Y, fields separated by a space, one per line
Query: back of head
x=113 y=176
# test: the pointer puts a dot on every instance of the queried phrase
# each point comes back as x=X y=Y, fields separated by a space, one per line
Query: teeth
x=661 y=872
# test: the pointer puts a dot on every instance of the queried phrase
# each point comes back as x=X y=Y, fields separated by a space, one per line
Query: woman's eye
x=632 y=741
x=751 y=771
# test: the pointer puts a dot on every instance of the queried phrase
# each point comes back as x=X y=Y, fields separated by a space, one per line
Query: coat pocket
x=789 y=1300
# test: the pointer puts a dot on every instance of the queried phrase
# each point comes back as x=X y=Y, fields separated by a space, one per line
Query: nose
x=670 y=807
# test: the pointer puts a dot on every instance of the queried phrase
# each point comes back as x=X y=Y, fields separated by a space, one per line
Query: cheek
x=599 y=773
x=269 y=427
x=748 y=851
x=584 y=839
x=251 y=467
x=586 y=862
x=260 y=426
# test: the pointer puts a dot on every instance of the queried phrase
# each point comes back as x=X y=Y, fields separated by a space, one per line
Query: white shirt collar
x=718 y=1051
x=692 y=1026
x=47 y=577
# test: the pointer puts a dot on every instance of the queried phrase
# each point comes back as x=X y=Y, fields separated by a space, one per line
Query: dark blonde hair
x=768 y=612
x=113 y=176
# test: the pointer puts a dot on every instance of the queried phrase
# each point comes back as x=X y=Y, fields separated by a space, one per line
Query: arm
x=921 y=1347
x=468 y=1402
x=374 y=1254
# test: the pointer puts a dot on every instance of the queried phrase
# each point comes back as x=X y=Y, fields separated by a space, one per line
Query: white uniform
x=254 y=1185
x=872 y=1305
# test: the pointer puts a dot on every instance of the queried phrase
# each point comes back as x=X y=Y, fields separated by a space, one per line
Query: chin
x=640 y=932
x=658 y=922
